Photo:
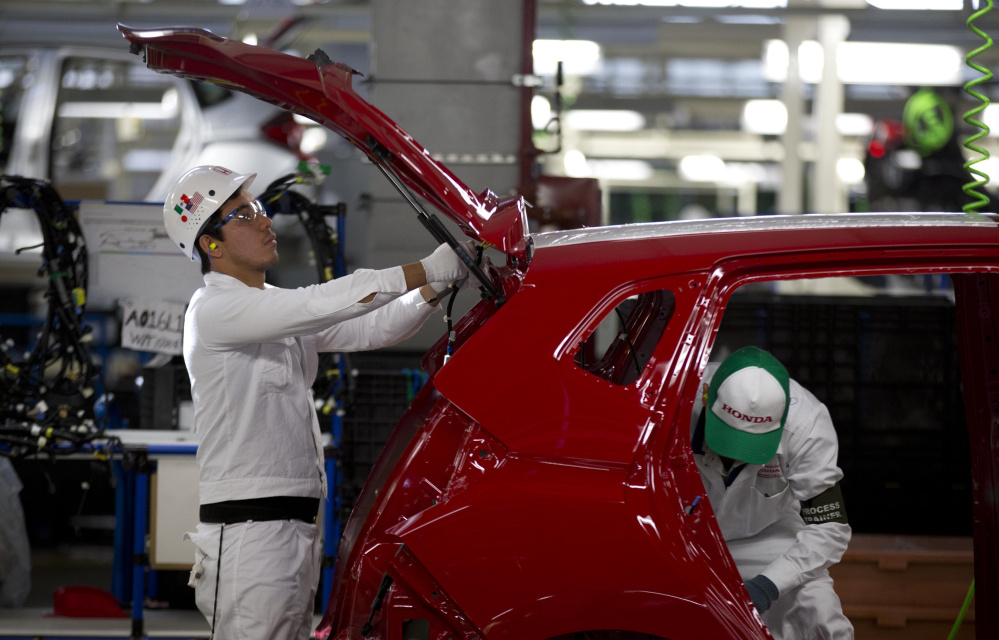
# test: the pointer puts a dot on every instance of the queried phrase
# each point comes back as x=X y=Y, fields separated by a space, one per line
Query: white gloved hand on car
x=470 y=281
x=444 y=266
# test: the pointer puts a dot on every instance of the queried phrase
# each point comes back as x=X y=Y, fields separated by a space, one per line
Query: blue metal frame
x=131 y=572
x=331 y=523
x=139 y=558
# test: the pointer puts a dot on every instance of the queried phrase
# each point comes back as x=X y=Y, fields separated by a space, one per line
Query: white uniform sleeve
x=384 y=327
x=812 y=469
x=254 y=315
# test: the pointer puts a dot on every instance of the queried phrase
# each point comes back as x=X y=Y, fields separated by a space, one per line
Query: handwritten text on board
x=152 y=326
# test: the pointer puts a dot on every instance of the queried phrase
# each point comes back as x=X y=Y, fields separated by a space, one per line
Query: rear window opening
x=622 y=343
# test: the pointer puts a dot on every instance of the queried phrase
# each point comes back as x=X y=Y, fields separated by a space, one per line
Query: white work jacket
x=252 y=358
x=761 y=506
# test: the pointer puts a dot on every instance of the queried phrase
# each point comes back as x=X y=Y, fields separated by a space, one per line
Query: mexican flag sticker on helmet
x=188 y=204
x=194 y=198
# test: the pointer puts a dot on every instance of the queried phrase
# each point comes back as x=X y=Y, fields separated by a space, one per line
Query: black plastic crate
x=887 y=370
x=383 y=385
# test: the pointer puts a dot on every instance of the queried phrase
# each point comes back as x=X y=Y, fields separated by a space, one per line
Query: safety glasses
x=245 y=213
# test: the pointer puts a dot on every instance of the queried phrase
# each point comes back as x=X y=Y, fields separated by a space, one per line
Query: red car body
x=531 y=492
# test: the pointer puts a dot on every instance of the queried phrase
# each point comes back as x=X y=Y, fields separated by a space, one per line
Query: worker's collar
x=219 y=279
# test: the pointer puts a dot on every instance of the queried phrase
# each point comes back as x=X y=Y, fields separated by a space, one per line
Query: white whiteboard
x=131 y=256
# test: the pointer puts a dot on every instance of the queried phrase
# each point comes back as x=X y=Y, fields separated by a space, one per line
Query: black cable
x=48 y=392
x=451 y=336
x=450 y=323
x=624 y=331
x=376 y=605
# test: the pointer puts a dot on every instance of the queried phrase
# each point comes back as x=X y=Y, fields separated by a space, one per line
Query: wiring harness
x=47 y=391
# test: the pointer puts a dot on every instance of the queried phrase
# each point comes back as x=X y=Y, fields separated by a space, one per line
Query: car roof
x=649 y=230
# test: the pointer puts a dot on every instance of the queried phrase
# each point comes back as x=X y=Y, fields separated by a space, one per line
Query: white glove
x=442 y=286
x=470 y=281
x=444 y=265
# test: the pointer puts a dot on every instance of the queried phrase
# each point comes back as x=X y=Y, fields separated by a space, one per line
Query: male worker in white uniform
x=251 y=353
x=766 y=450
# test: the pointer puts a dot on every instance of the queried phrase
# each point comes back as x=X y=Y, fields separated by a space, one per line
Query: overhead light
x=313 y=139
x=990 y=118
x=604 y=120
x=850 y=170
x=749 y=4
x=765 y=117
x=250 y=39
x=890 y=63
x=575 y=164
x=541 y=112
x=619 y=169
x=769 y=117
x=141 y=110
x=899 y=63
x=776 y=60
x=737 y=173
x=910 y=5
x=578 y=57
x=748 y=19
x=854 y=124
x=702 y=168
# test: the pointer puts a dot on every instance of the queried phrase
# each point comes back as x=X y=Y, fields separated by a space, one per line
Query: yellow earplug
x=212 y=245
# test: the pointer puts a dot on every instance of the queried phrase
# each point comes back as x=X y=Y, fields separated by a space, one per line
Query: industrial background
x=599 y=112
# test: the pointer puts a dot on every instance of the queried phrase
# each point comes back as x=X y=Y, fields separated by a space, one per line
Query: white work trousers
x=270 y=572
x=811 y=611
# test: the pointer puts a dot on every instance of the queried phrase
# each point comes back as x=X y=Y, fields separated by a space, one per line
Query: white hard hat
x=194 y=198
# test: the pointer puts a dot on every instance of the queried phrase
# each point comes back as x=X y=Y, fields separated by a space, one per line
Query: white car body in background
x=100 y=125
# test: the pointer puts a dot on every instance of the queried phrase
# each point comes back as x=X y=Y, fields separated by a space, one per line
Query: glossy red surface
x=535 y=493
x=978 y=330
x=523 y=497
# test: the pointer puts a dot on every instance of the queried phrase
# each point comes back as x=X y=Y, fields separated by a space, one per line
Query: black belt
x=261 y=510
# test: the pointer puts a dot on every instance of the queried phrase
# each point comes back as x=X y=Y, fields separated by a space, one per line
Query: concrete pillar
x=746 y=202
x=789 y=198
x=443 y=70
x=828 y=195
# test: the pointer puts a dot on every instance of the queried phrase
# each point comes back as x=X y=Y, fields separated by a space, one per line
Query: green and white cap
x=748 y=402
